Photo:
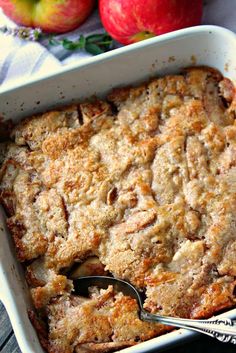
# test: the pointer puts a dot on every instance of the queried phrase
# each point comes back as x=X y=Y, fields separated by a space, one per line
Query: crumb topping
x=145 y=183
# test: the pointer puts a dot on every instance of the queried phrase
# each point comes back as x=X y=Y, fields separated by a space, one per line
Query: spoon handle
x=222 y=329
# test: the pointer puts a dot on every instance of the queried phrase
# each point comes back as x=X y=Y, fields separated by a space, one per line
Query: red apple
x=129 y=21
x=56 y=16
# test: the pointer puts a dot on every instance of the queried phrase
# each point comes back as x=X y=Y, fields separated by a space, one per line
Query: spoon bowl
x=222 y=329
x=82 y=284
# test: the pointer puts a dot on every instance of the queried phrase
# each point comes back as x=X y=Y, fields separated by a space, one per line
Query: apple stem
x=94 y=44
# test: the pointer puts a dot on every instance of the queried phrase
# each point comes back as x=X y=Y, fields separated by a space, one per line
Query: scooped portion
x=97 y=323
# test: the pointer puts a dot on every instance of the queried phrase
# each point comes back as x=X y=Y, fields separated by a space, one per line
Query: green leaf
x=93 y=38
x=100 y=39
x=94 y=44
x=108 y=42
x=70 y=45
x=82 y=41
x=93 y=49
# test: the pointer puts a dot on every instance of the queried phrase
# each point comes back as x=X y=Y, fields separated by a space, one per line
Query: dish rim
x=168 y=338
x=8 y=87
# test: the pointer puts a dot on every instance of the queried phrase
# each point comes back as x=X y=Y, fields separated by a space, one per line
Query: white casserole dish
x=205 y=45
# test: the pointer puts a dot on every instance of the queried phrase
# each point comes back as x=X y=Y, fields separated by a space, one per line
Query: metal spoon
x=223 y=329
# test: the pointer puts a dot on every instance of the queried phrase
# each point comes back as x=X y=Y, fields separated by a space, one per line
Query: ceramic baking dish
x=205 y=45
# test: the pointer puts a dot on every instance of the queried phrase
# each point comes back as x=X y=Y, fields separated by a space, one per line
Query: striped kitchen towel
x=19 y=59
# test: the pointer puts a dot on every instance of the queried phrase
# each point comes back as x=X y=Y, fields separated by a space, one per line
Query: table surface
x=203 y=344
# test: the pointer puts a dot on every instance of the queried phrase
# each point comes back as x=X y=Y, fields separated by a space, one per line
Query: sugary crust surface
x=149 y=191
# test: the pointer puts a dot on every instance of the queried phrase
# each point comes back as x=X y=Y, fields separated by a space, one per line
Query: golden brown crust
x=146 y=184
